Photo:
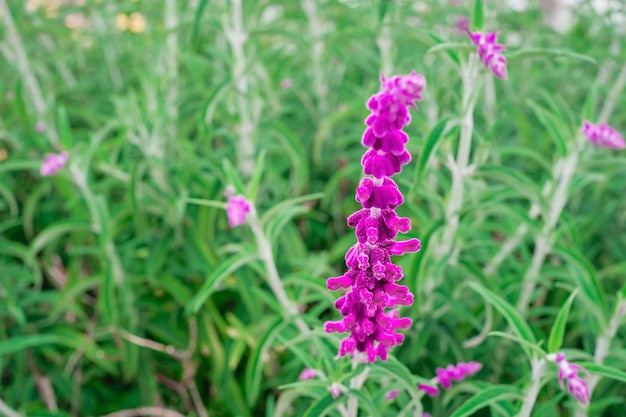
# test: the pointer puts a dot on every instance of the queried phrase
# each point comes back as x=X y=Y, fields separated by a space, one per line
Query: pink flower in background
x=603 y=135
x=430 y=390
x=335 y=390
x=462 y=24
x=392 y=394
x=308 y=373
x=286 y=83
x=53 y=163
x=237 y=208
x=490 y=53
x=451 y=373
x=576 y=385
x=372 y=277
x=40 y=127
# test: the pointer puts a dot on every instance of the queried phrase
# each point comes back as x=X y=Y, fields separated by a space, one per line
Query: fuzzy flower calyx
x=53 y=163
x=603 y=135
x=372 y=277
x=490 y=52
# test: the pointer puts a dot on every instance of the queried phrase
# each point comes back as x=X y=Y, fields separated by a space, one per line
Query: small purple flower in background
x=237 y=208
x=490 y=52
x=603 y=135
x=335 y=390
x=576 y=385
x=308 y=373
x=53 y=163
x=392 y=394
x=286 y=83
x=451 y=373
x=40 y=127
x=430 y=390
x=462 y=24
x=372 y=276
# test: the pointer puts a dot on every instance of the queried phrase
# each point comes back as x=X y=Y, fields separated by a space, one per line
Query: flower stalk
x=538 y=370
x=237 y=37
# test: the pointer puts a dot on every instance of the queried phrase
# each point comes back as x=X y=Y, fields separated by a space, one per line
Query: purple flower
x=490 y=52
x=603 y=135
x=237 y=208
x=451 y=373
x=308 y=373
x=462 y=24
x=371 y=278
x=335 y=390
x=430 y=390
x=576 y=385
x=286 y=83
x=392 y=394
x=40 y=127
x=53 y=163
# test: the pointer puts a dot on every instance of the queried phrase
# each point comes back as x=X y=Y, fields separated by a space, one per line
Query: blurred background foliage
x=99 y=264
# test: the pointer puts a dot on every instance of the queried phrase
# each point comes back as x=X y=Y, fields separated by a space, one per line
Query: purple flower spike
x=53 y=163
x=576 y=385
x=490 y=53
x=603 y=135
x=371 y=278
x=237 y=208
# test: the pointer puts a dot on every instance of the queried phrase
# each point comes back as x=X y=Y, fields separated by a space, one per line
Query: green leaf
x=431 y=142
x=555 y=340
x=519 y=325
x=519 y=340
x=382 y=9
x=478 y=16
x=255 y=180
x=548 y=52
x=232 y=177
x=604 y=371
x=284 y=205
x=556 y=130
x=208 y=203
x=454 y=46
x=585 y=277
x=20 y=343
x=219 y=274
x=321 y=407
x=254 y=367
x=486 y=397
x=520 y=181
x=52 y=233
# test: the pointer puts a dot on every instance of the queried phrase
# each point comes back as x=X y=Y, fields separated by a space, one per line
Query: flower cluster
x=372 y=276
x=603 y=135
x=451 y=373
x=53 y=163
x=576 y=385
x=237 y=208
x=490 y=52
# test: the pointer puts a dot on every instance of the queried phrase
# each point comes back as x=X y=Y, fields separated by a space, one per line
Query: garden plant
x=312 y=208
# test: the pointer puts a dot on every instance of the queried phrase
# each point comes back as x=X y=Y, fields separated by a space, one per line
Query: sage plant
x=371 y=278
